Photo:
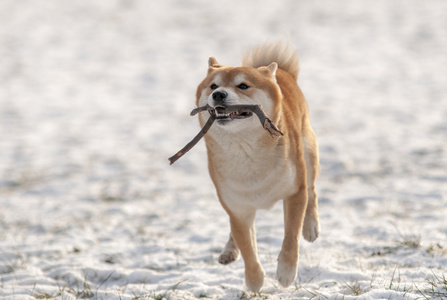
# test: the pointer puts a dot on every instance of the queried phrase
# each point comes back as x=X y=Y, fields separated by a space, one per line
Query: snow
x=96 y=95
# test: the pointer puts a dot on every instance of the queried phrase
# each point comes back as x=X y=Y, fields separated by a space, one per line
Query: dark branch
x=194 y=141
x=195 y=111
x=266 y=123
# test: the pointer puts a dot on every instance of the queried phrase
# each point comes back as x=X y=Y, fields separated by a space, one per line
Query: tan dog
x=253 y=170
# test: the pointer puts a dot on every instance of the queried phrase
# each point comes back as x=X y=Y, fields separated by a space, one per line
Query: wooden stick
x=195 y=111
x=194 y=141
x=266 y=123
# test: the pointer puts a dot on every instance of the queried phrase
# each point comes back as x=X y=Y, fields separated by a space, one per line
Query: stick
x=194 y=141
x=195 y=111
x=266 y=123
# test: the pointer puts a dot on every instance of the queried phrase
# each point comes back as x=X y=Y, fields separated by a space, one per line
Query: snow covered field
x=96 y=95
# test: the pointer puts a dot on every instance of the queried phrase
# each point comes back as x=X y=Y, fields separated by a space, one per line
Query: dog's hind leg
x=230 y=252
x=311 y=226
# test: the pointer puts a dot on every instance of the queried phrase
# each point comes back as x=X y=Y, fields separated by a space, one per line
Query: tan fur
x=250 y=169
x=280 y=52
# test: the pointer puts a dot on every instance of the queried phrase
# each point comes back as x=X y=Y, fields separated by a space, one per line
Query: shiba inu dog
x=252 y=170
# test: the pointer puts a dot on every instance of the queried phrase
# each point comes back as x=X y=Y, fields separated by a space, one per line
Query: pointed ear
x=212 y=61
x=270 y=70
x=212 y=64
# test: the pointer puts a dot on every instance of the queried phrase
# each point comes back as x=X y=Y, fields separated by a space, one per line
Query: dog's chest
x=250 y=177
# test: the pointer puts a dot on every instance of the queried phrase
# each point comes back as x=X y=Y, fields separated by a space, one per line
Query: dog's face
x=226 y=86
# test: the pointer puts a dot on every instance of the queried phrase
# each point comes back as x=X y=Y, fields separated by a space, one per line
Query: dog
x=252 y=170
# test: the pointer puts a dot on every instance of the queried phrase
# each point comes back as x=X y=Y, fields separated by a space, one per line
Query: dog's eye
x=243 y=86
x=213 y=86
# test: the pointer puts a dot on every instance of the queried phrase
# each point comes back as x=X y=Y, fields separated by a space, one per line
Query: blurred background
x=96 y=95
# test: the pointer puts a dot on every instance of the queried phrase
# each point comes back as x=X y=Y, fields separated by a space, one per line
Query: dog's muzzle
x=219 y=97
x=220 y=113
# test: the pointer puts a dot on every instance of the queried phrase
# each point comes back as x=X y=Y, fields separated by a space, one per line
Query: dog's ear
x=212 y=61
x=213 y=64
x=270 y=70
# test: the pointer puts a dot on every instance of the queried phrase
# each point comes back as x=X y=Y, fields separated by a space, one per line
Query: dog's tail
x=281 y=52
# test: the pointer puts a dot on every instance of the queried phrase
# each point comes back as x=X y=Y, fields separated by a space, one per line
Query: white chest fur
x=250 y=175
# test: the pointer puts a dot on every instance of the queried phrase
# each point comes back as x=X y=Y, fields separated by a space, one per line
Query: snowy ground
x=95 y=96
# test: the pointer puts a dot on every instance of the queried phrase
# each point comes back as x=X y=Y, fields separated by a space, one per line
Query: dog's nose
x=219 y=96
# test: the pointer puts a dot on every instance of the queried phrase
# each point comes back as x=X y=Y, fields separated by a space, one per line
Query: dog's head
x=224 y=86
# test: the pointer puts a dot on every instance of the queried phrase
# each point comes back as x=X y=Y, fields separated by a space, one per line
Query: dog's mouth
x=222 y=113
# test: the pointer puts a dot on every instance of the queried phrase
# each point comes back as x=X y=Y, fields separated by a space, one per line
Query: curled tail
x=281 y=52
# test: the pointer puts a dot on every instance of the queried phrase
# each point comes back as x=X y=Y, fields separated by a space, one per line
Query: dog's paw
x=286 y=271
x=227 y=257
x=311 y=228
x=254 y=278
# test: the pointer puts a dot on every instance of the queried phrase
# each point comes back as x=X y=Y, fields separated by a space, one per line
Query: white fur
x=246 y=172
x=240 y=193
x=239 y=79
x=311 y=229
x=232 y=97
x=285 y=273
x=218 y=79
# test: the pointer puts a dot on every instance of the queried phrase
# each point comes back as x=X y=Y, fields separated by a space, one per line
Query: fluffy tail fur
x=281 y=52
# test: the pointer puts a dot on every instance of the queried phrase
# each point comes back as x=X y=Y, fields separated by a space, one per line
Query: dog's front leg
x=244 y=235
x=294 y=211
